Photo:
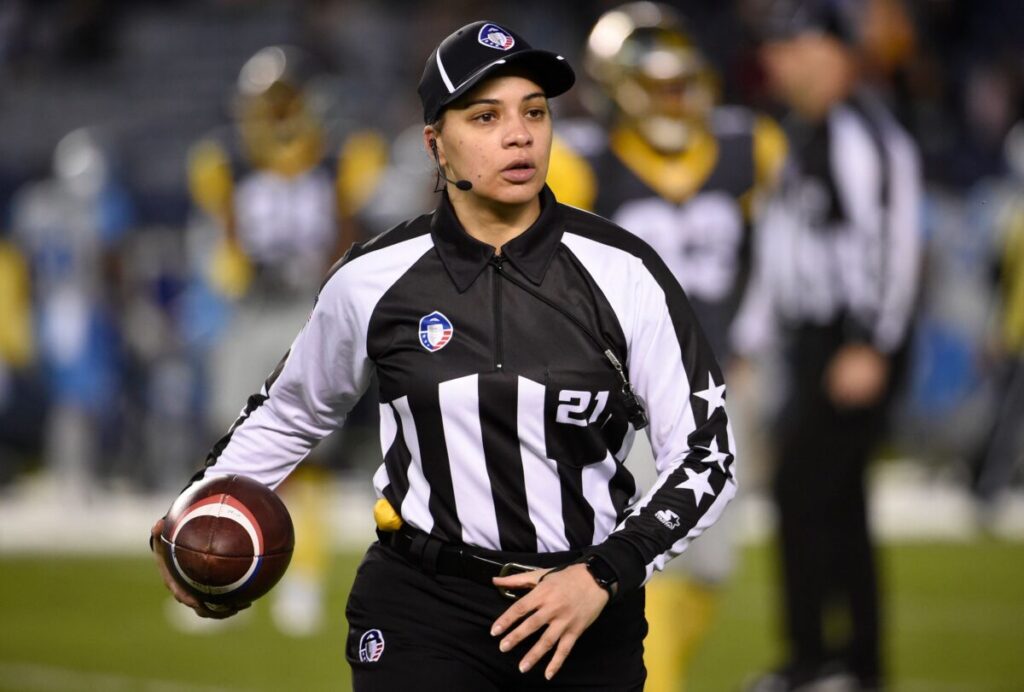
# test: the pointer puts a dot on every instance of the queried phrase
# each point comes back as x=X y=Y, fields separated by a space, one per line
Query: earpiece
x=463 y=185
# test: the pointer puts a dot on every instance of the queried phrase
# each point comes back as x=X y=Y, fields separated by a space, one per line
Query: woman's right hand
x=856 y=377
x=203 y=610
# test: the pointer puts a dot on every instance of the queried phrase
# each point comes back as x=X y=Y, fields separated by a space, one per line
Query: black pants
x=827 y=560
x=998 y=457
x=412 y=631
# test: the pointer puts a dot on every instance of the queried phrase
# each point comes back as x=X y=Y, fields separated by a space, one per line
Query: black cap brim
x=550 y=71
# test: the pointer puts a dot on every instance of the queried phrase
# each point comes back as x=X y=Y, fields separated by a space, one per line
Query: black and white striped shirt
x=841 y=241
x=502 y=423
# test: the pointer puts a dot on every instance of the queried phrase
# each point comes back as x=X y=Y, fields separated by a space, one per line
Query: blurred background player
x=68 y=228
x=280 y=195
x=20 y=396
x=1002 y=450
x=665 y=162
x=836 y=280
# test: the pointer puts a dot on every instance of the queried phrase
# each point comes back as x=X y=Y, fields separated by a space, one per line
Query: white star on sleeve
x=714 y=395
x=698 y=483
x=715 y=455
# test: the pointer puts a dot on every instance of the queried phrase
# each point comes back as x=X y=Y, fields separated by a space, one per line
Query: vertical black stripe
x=577 y=513
x=698 y=359
x=716 y=428
x=426 y=411
x=621 y=489
x=875 y=130
x=498 y=422
x=389 y=494
x=396 y=461
x=876 y=127
x=272 y=378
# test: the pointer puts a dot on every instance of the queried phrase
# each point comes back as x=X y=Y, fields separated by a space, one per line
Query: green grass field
x=956 y=624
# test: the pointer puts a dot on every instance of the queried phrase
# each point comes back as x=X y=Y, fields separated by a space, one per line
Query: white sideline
x=32 y=677
x=36 y=518
x=908 y=503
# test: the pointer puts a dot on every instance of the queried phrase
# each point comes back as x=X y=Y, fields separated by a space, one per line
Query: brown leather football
x=228 y=539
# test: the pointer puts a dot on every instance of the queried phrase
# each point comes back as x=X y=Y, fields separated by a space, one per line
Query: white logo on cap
x=493 y=36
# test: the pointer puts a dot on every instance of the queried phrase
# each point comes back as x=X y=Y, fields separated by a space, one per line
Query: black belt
x=435 y=556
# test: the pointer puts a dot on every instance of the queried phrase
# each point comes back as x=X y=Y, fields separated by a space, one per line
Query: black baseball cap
x=783 y=20
x=477 y=50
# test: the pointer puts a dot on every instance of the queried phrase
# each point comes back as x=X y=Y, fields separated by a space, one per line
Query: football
x=228 y=539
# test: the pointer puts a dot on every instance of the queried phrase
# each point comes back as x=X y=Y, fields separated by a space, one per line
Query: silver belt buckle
x=512 y=568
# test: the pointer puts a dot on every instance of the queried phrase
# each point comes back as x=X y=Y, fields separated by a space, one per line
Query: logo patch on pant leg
x=371 y=646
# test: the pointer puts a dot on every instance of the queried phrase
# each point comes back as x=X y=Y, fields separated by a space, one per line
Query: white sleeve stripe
x=870 y=150
x=903 y=250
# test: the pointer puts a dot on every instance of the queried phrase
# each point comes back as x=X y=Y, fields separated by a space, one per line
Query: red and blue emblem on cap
x=493 y=36
x=435 y=331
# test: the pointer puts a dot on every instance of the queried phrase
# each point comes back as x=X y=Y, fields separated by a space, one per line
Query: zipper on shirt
x=496 y=262
x=635 y=410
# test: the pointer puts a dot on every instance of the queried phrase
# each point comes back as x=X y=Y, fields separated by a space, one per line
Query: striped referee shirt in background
x=502 y=422
x=841 y=240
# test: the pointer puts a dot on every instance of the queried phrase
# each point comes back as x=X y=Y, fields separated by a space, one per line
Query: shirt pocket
x=584 y=421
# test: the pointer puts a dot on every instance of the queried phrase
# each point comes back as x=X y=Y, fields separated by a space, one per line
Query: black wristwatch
x=602 y=573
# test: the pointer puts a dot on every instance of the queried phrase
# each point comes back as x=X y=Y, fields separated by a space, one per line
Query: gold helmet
x=278 y=127
x=651 y=73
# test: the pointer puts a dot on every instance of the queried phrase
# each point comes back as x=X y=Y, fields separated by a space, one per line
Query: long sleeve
x=903 y=241
x=675 y=374
x=326 y=370
x=877 y=177
x=307 y=397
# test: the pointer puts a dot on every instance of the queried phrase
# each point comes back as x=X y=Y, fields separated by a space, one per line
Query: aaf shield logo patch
x=435 y=331
x=493 y=36
x=371 y=646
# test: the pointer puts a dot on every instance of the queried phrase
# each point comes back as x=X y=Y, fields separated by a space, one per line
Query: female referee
x=518 y=345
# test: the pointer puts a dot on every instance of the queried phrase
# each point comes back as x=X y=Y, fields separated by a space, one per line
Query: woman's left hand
x=565 y=603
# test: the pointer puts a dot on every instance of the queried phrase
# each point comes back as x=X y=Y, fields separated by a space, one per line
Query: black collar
x=465 y=257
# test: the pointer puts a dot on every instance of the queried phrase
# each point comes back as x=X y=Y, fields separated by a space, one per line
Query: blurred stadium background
x=110 y=320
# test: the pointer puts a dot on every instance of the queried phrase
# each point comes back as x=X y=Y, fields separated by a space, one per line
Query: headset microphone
x=463 y=185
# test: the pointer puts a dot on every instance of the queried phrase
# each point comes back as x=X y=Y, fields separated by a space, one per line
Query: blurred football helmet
x=278 y=127
x=651 y=73
x=81 y=161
